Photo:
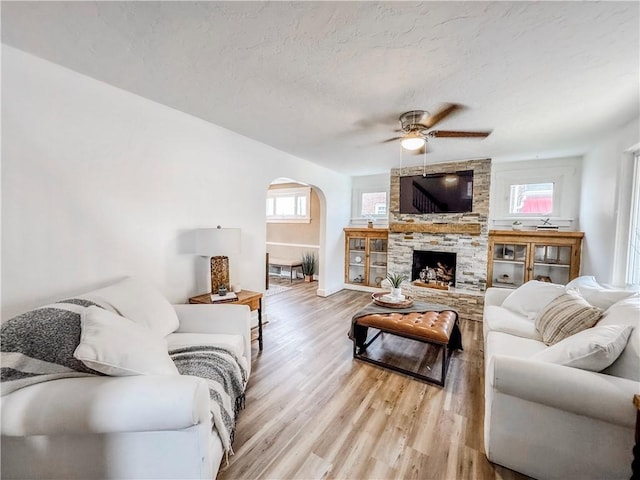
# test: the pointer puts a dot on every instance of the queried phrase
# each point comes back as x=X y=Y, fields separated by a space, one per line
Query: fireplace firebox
x=434 y=269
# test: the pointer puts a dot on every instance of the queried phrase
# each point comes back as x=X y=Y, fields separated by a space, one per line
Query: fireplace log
x=437 y=286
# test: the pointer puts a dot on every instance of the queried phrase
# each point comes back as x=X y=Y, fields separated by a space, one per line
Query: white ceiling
x=326 y=81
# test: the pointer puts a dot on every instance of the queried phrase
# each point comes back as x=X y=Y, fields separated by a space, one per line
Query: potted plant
x=308 y=265
x=517 y=225
x=396 y=279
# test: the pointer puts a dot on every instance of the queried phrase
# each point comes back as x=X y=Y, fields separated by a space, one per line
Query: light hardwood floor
x=313 y=412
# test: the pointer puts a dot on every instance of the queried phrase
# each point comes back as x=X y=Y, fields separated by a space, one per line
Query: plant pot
x=308 y=278
x=396 y=293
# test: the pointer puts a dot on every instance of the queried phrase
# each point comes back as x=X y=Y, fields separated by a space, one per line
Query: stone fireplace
x=433 y=268
x=465 y=236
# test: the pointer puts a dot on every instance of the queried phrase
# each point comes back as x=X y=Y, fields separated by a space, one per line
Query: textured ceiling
x=326 y=81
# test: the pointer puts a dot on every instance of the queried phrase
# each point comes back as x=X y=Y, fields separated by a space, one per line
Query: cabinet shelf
x=371 y=245
x=545 y=264
x=547 y=256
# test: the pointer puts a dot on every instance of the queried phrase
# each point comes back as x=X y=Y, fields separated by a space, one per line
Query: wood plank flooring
x=313 y=412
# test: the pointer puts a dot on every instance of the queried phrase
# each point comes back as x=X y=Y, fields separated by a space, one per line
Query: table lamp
x=219 y=244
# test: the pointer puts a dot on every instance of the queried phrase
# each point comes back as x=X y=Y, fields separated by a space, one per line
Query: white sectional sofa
x=135 y=426
x=552 y=421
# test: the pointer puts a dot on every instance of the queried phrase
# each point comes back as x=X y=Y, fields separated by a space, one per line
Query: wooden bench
x=434 y=328
x=291 y=264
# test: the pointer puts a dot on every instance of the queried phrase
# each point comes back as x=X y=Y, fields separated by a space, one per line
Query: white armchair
x=155 y=426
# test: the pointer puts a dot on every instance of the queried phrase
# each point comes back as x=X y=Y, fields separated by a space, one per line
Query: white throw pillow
x=596 y=294
x=626 y=312
x=116 y=346
x=565 y=316
x=593 y=349
x=529 y=298
x=140 y=302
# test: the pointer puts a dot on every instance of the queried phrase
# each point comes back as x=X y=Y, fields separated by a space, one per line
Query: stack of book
x=229 y=297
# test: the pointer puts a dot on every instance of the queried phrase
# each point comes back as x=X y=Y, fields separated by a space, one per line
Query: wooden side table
x=245 y=297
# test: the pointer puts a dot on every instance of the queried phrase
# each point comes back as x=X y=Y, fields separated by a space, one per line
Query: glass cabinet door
x=377 y=261
x=357 y=260
x=551 y=263
x=509 y=264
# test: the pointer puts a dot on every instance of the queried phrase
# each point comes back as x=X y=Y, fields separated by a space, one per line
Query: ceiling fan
x=417 y=125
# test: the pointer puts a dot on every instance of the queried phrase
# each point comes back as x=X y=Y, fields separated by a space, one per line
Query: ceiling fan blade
x=450 y=133
x=444 y=112
x=393 y=139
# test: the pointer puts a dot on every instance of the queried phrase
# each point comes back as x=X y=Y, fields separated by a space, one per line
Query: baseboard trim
x=325 y=292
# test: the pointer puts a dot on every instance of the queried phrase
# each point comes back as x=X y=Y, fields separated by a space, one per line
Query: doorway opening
x=294 y=212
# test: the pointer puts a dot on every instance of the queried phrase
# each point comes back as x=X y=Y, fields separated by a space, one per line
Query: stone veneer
x=471 y=270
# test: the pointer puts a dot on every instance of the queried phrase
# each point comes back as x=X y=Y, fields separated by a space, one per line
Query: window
x=288 y=205
x=373 y=203
x=533 y=190
x=633 y=262
x=531 y=199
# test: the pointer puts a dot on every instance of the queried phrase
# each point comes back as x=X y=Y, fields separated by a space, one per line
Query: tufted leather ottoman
x=430 y=327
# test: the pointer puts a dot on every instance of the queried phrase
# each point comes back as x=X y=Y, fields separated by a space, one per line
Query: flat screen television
x=437 y=193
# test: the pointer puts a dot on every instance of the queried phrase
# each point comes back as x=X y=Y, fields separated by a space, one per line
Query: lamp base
x=219 y=273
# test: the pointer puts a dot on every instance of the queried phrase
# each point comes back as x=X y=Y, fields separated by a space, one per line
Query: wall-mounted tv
x=437 y=193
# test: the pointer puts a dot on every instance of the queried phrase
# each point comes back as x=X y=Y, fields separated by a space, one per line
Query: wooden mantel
x=459 y=228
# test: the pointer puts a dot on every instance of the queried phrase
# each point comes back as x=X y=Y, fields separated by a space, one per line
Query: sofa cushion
x=626 y=312
x=499 y=343
x=140 y=302
x=592 y=349
x=529 y=298
x=565 y=316
x=116 y=346
x=500 y=319
x=596 y=294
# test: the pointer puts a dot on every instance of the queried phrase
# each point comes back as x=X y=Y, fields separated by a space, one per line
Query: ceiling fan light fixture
x=412 y=142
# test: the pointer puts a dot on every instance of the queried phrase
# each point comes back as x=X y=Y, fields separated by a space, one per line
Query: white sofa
x=145 y=426
x=551 y=421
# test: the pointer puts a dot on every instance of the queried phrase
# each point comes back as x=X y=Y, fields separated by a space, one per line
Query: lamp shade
x=412 y=142
x=217 y=241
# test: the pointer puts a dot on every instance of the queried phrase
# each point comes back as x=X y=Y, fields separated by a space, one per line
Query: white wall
x=565 y=173
x=368 y=183
x=98 y=183
x=606 y=186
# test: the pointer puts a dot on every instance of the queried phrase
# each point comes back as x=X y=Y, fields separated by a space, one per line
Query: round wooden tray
x=377 y=299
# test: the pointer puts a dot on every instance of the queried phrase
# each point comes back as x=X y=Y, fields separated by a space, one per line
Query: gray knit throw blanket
x=226 y=380
x=38 y=345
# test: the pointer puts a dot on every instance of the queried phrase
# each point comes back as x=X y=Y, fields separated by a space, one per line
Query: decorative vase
x=396 y=293
x=222 y=291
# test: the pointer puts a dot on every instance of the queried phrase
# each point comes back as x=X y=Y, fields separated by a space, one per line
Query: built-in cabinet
x=365 y=256
x=515 y=257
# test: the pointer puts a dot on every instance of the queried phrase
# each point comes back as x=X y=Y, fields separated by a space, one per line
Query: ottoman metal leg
x=446 y=357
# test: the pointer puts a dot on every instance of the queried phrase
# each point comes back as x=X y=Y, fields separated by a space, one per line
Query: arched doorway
x=294 y=230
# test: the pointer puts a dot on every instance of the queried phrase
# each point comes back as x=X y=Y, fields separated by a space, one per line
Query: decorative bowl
x=380 y=300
